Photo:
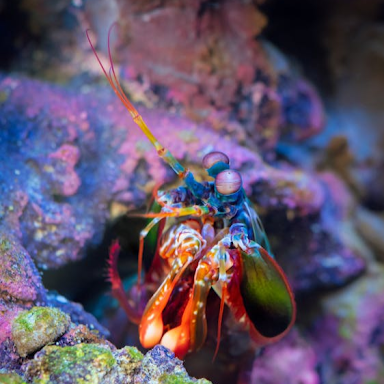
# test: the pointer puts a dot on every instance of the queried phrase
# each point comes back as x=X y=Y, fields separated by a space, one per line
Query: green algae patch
x=178 y=379
x=203 y=381
x=80 y=364
x=5 y=245
x=33 y=329
x=134 y=353
x=11 y=378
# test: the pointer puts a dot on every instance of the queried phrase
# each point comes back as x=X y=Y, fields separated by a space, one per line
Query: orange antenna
x=111 y=76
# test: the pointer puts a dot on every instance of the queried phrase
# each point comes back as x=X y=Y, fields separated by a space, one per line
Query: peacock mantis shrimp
x=209 y=236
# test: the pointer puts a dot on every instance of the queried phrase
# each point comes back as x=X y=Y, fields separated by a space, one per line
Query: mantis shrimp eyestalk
x=210 y=237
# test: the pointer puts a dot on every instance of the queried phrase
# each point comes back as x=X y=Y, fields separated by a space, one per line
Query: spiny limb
x=157 y=217
x=143 y=233
x=133 y=313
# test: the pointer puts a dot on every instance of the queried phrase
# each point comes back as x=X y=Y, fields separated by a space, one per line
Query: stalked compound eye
x=215 y=162
x=228 y=182
x=210 y=159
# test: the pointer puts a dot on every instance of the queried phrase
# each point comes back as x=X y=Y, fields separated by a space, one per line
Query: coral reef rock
x=37 y=327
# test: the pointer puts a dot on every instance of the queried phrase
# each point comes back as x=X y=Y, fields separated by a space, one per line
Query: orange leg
x=191 y=333
x=157 y=217
x=167 y=211
x=131 y=308
x=151 y=325
x=183 y=244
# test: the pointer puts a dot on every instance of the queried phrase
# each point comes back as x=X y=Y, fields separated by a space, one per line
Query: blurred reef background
x=291 y=90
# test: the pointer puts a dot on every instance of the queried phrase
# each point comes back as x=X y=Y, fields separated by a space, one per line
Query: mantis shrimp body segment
x=210 y=236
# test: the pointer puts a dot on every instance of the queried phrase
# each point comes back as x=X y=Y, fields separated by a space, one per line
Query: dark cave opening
x=83 y=281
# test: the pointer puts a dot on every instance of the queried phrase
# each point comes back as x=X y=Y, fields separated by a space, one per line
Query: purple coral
x=289 y=361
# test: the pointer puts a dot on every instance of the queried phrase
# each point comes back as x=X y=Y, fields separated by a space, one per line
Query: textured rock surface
x=314 y=248
x=207 y=65
x=294 y=355
x=371 y=227
x=160 y=366
x=92 y=363
x=21 y=290
x=88 y=362
x=79 y=355
x=210 y=61
x=19 y=277
x=11 y=378
x=349 y=338
x=37 y=327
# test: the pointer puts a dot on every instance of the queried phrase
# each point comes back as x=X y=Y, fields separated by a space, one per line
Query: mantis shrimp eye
x=210 y=159
x=215 y=162
x=228 y=182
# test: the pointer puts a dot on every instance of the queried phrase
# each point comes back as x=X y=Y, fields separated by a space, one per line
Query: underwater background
x=291 y=91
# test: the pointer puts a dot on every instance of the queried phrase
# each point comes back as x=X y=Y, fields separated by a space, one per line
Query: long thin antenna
x=111 y=76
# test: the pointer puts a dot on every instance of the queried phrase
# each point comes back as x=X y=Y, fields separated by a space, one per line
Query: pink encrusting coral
x=96 y=158
x=19 y=277
x=353 y=332
x=293 y=355
x=64 y=160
